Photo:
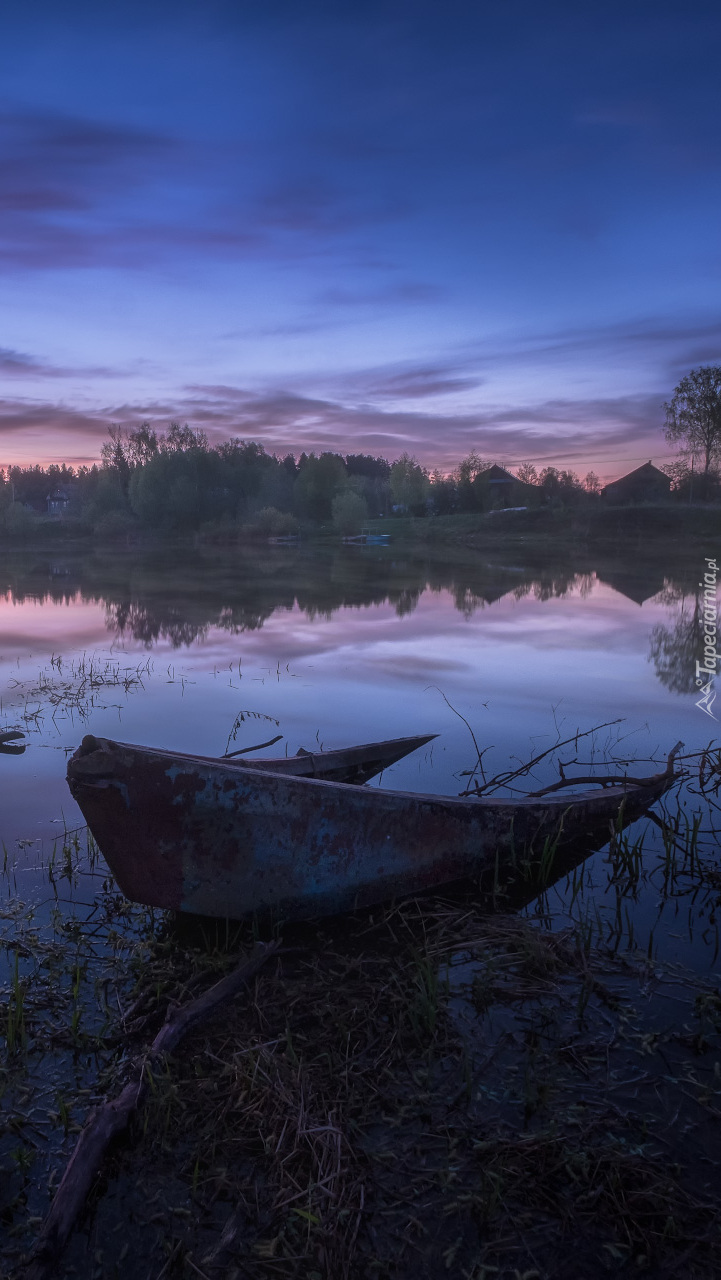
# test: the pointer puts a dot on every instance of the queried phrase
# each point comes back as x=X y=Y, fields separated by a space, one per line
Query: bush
x=350 y=512
x=115 y=524
x=274 y=523
x=19 y=521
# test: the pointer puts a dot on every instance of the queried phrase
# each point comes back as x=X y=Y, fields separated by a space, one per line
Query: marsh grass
x=71 y=690
x=15 y=1033
x=62 y=960
x=361 y=1112
x=437 y=1087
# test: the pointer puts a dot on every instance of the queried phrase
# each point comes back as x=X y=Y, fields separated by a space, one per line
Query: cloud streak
x=54 y=163
x=75 y=193
x=372 y=229
x=571 y=431
x=18 y=364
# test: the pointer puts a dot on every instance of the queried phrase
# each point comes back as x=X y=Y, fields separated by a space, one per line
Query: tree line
x=175 y=480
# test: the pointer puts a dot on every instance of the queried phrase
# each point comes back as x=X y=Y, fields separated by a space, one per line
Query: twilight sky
x=365 y=225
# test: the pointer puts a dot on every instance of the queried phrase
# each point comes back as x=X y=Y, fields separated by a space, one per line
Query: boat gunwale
x=253 y=763
x=613 y=795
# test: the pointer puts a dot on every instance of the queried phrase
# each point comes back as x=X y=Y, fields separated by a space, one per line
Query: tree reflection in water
x=675 y=649
x=178 y=595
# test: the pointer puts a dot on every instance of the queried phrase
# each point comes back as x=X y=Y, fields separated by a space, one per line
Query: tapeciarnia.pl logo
x=706 y=673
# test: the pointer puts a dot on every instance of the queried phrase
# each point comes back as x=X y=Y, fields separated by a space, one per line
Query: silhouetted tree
x=560 y=486
x=693 y=415
x=363 y=464
x=182 y=439
x=465 y=476
x=443 y=493
x=410 y=484
x=318 y=482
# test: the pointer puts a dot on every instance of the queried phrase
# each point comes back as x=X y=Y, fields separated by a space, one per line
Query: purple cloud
x=404 y=291
x=19 y=364
x=52 y=164
x=399 y=411
x=51 y=417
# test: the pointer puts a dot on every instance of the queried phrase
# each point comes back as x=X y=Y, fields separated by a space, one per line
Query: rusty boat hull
x=197 y=835
x=353 y=765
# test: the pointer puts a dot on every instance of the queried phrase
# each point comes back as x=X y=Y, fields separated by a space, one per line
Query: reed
x=428 y=1053
x=15 y=1028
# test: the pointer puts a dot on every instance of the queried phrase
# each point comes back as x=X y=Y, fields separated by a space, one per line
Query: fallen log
x=110 y=1119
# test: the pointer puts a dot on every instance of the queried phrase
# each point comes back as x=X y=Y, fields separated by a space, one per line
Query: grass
x=15 y=1033
x=438 y=1087
x=421 y=1091
x=71 y=691
x=597 y=526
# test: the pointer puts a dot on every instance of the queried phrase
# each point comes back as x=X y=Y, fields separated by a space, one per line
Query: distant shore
x=667 y=527
x=643 y=528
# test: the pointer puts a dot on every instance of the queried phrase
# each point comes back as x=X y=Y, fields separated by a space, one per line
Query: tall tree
x=465 y=476
x=182 y=439
x=409 y=484
x=141 y=445
x=693 y=415
x=471 y=466
x=550 y=479
x=319 y=480
x=527 y=473
x=114 y=456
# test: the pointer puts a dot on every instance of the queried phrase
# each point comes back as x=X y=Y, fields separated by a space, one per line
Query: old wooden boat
x=353 y=765
x=212 y=838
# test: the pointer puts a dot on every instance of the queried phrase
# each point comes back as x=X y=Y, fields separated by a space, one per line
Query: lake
x=212 y=649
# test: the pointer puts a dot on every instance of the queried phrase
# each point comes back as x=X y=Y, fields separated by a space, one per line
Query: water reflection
x=675 y=648
x=178 y=597
x=350 y=644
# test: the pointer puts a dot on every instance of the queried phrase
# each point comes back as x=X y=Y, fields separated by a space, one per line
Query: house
x=645 y=484
x=60 y=500
x=636 y=582
x=497 y=489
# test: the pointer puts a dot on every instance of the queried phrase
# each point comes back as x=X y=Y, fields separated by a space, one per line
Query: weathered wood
x=615 y=780
x=257 y=746
x=215 y=838
x=105 y=1122
x=353 y=765
x=507 y=776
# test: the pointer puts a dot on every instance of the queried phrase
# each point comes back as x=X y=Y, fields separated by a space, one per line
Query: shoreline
x=601 y=527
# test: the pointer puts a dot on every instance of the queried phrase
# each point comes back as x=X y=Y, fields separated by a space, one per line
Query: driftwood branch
x=243 y=751
x=615 y=780
x=503 y=779
x=480 y=754
x=112 y=1117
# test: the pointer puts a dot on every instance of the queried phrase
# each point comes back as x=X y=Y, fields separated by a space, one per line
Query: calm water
x=189 y=649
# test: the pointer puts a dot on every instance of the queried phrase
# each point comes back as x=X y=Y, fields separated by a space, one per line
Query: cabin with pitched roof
x=645 y=484
x=496 y=489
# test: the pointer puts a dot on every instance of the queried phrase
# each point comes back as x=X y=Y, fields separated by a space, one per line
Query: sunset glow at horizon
x=370 y=228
